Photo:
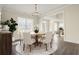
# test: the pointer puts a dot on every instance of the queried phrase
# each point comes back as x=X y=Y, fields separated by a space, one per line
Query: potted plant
x=11 y=24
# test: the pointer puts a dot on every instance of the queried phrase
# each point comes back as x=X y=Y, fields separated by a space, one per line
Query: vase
x=5 y=28
x=36 y=31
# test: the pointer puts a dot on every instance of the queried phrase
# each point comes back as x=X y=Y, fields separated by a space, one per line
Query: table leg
x=37 y=40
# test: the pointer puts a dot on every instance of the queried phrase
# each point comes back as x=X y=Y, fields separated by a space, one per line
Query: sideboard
x=5 y=43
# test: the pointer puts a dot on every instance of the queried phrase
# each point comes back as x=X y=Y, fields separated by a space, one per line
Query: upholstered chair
x=28 y=41
x=47 y=39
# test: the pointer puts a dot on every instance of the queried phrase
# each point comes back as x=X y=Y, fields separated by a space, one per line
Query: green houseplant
x=11 y=24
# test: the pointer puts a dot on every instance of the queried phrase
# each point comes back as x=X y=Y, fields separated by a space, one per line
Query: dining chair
x=28 y=41
x=17 y=37
x=47 y=39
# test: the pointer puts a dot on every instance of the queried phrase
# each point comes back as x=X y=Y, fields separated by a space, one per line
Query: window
x=55 y=26
x=43 y=26
x=24 y=24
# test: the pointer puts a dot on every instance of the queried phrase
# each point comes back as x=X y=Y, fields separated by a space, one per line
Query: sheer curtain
x=24 y=25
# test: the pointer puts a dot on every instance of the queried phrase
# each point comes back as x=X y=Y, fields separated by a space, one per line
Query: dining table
x=37 y=36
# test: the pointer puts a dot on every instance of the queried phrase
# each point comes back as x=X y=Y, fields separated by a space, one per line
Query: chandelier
x=36 y=13
x=36 y=16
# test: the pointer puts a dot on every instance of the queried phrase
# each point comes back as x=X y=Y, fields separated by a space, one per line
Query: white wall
x=7 y=14
x=0 y=11
x=71 y=16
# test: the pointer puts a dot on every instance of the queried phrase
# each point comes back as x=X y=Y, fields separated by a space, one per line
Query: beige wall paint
x=71 y=16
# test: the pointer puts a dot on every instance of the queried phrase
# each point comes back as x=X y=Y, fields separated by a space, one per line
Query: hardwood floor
x=67 y=48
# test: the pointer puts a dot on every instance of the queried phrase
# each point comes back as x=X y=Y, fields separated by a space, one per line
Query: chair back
x=27 y=38
x=48 y=37
x=16 y=36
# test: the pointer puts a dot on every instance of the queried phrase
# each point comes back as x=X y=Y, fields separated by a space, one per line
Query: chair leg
x=30 y=47
x=50 y=45
x=35 y=45
x=40 y=45
x=46 y=47
x=23 y=47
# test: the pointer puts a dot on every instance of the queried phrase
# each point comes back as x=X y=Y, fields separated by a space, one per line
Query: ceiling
x=29 y=8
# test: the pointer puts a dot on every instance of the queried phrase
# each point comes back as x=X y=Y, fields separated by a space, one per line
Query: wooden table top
x=40 y=33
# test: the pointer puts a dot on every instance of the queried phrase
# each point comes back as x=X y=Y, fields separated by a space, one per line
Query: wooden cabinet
x=5 y=43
